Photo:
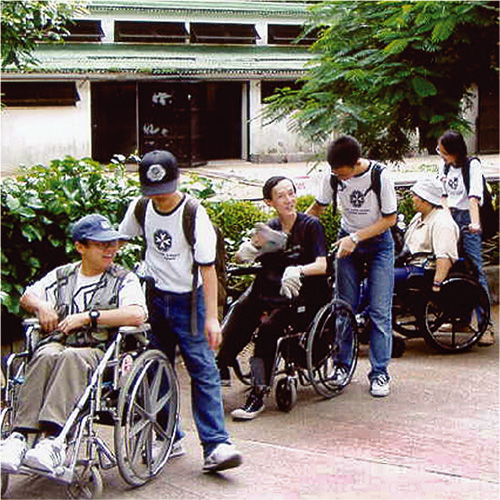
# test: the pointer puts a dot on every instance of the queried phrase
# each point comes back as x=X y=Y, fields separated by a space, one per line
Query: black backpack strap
x=188 y=226
x=334 y=183
x=376 y=181
x=140 y=211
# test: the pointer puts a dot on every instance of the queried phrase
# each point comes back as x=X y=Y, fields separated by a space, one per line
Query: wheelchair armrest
x=31 y=322
x=243 y=271
x=140 y=332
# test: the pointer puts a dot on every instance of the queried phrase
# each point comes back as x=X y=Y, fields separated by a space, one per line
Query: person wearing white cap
x=432 y=231
x=72 y=302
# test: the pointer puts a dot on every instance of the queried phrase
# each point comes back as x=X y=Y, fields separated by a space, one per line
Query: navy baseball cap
x=95 y=227
x=158 y=173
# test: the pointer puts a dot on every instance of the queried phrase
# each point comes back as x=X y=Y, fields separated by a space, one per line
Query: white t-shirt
x=454 y=186
x=357 y=201
x=130 y=294
x=169 y=256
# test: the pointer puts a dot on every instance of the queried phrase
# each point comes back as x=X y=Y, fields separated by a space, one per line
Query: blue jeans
x=472 y=244
x=171 y=326
x=377 y=254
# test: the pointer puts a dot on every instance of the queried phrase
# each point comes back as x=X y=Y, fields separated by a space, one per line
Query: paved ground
x=243 y=180
x=435 y=437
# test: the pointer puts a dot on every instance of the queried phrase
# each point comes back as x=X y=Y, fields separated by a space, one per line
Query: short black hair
x=344 y=151
x=454 y=144
x=267 y=190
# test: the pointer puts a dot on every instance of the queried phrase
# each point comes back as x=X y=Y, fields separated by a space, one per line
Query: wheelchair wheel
x=5 y=422
x=286 y=393
x=457 y=316
x=148 y=408
x=87 y=482
x=333 y=333
x=242 y=365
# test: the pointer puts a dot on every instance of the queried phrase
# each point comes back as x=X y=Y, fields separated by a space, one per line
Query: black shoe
x=252 y=407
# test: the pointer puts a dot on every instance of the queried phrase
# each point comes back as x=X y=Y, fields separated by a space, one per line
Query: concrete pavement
x=435 y=437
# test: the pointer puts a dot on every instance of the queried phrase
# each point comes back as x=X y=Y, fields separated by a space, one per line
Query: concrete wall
x=35 y=135
x=274 y=142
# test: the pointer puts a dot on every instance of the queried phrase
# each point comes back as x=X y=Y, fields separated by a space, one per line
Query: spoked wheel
x=148 y=407
x=457 y=316
x=87 y=482
x=332 y=348
x=286 y=393
x=242 y=364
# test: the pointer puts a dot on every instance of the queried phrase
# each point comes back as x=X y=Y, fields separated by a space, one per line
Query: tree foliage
x=26 y=22
x=383 y=70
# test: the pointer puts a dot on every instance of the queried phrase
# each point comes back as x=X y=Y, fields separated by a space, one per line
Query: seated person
x=279 y=280
x=79 y=307
x=431 y=232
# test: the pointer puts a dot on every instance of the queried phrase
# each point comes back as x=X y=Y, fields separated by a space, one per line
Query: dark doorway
x=113 y=119
x=487 y=123
x=223 y=120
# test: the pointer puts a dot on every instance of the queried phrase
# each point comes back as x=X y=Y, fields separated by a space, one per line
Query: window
x=84 y=31
x=285 y=34
x=39 y=93
x=223 y=33
x=268 y=88
x=150 y=32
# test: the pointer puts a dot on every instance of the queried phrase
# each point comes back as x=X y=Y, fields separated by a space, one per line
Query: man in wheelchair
x=291 y=270
x=79 y=307
x=431 y=238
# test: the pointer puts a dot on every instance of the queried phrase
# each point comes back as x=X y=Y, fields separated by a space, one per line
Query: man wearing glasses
x=79 y=306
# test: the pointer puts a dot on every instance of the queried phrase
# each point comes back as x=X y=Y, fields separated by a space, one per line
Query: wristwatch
x=94 y=316
x=354 y=238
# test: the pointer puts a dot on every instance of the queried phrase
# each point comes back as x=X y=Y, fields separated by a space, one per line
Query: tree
x=26 y=22
x=384 y=70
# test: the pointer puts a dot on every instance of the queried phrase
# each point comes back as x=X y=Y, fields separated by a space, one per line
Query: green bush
x=39 y=205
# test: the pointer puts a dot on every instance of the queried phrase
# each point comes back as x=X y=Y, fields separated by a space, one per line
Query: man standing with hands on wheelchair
x=365 y=242
x=290 y=271
x=79 y=307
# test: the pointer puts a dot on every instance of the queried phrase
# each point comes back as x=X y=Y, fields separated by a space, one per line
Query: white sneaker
x=379 y=386
x=12 y=451
x=177 y=450
x=225 y=456
x=48 y=455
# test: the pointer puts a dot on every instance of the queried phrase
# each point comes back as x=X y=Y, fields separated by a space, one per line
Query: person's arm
x=316 y=209
x=212 y=326
x=346 y=245
x=443 y=265
x=314 y=268
x=44 y=311
x=475 y=221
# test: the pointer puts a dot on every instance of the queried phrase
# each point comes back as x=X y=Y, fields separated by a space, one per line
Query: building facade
x=189 y=76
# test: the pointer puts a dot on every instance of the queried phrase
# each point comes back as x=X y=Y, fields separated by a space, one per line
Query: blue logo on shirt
x=162 y=240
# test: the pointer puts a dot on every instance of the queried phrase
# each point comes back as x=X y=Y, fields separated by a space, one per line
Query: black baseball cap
x=158 y=173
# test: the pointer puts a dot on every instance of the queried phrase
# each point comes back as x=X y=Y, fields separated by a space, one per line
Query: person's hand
x=73 y=322
x=345 y=247
x=474 y=228
x=267 y=239
x=213 y=332
x=47 y=317
x=291 y=282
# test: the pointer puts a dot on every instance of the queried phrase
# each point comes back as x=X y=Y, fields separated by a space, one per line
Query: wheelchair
x=451 y=320
x=128 y=390
x=305 y=356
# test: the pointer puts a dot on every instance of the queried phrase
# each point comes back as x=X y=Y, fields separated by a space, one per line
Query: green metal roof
x=242 y=8
x=176 y=60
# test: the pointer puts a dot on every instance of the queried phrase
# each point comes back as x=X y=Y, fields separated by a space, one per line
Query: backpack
x=487 y=214
x=188 y=226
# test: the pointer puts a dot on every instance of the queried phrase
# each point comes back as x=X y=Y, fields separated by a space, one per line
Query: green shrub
x=39 y=205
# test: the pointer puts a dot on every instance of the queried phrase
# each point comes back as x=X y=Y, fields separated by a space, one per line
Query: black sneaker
x=252 y=407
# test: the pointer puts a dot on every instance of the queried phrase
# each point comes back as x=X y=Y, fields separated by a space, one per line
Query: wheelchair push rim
x=455 y=319
x=148 y=408
x=334 y=332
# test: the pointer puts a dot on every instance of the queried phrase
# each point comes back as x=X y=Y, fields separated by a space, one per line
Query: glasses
x=441 y=153
x=104 y=245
